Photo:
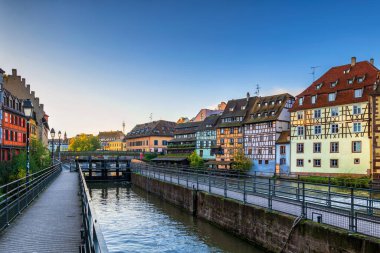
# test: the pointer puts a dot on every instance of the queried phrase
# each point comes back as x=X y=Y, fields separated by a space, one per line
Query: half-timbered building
x=330 y=122
x=266 y=120
x=206 y=137
x=229 y=130
x=184 y=141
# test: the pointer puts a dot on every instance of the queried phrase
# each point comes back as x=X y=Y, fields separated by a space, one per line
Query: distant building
x=331 y=122
x=18 y=88
x=206 y=138
x=182 y=120
x=283 y=153
x=184 y=141
x=64 y=144
x=150 y=137
x=106 y=138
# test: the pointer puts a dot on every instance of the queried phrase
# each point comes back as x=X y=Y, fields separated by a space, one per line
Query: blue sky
x=96 y=63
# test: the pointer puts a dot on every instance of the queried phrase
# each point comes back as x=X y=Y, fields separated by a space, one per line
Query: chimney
x=23 y=81
x=353 y=61
x=28 y=88
x=248 y=95
x=372 y=61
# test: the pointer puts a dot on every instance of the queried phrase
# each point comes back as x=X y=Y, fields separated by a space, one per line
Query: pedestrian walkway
x=51 y=223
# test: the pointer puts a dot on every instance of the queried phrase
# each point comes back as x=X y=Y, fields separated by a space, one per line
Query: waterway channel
x=133 y=220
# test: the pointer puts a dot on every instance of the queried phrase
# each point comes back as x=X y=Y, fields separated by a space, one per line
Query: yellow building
x=117 y=145
x=150 y=137
x=330 y=122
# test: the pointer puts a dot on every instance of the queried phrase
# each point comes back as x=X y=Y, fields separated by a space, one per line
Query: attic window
x=243 y=107
x=259 y=114
x=265 y=114
x=318 y=86
x=272 y=103
x=272 y=113
x=333 y=84
x=231 y=109
x=266 y=103
x=332 y=97
x=351 y=81
x=279 y=102
x=313 y=99
x=300 y=101
x=361 y=79
x=346 y=71
x=259 y=105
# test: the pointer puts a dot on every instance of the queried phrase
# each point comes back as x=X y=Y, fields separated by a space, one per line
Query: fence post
x=7 y=205
x=329 y=194
x=298 y=189
x=352 y=213
x=254 y=183
x=303 y=201
x=178 y=175
x=187 y=179
x=209 y=182
x=370 y=204
x=245 y=193
x=225 y=186
x=238 y=180
x=269 y=195
x=197 y=182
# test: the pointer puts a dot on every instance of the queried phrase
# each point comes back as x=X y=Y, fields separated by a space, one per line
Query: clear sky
x=96 y=63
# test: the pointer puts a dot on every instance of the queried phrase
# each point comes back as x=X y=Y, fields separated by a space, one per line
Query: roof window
x=351 y=81
x=346 y=71
x=319 y=86
x=231 y=109
x=333 y=84
x=361 y=79
x=300 y=101
x=313 y=99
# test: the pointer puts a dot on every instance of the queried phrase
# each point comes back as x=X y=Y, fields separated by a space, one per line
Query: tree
x=84 y=142
x=195 y=160
x=241 y=162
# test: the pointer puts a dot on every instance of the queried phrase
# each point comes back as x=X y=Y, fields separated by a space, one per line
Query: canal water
x=133 y=220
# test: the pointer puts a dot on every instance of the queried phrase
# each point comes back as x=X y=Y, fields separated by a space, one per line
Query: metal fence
x=354 y=209
x=92 y=236
x=17 y=195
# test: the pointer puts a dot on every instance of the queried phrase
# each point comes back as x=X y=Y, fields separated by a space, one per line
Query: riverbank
x=268 y=229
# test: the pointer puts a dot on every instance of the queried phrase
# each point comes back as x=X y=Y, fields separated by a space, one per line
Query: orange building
x=14 y=127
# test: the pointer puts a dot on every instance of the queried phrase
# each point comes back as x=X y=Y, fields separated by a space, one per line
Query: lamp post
x=52 y=134
x=28 y=109
x=59 y=145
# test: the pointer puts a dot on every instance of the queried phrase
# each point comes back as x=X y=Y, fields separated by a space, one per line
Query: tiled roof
x=187 y=128
x=236 y=108
x=337 y=80
x=155 y=128
x=268 y=108
x=284 y=138
x=209 y=123
x=110 y=134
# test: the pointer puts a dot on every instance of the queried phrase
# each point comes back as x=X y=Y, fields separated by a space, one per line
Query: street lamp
x=52 y=134
x=59 y=145
x=28 y=110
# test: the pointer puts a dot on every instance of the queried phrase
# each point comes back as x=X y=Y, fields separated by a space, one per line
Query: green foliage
x=363 y=182
x=149 y=157
x=241 y=162
x=84 y=143
x=15 y=169
x=195 y=160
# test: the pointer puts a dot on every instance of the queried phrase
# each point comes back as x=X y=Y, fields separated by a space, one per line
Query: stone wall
x=268 y=229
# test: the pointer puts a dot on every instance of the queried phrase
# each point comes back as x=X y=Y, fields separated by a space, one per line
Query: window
x=231 y=130
x=260 y=161
x=356 y=147
x=155 y=142
x=334 y=147
x=356 y=161
x=358 y=93
x=350 y=81
x=270 y=151
x=318 y=86
x=317 y=162
x=317 y=113
x=232 y=141
x=334 y=128
x=266 y=162
x=299 y=162
x=332 y=97
x=282 y=161
x=357 y=127
x=261 y=138
x=299 y=115
x=299 y=147
x=333 y=84
x=313 y=99
x=222 y=141
x=317 y=147
x=270 y=124
x=300 y=131
x=240 y=140
x=222 y=131
x=259 y=151
x=334 y=111
x=300 y=101
x=164 y=143
x=249 y=151
x=360 y=79
x=317 y=130
x=356 y=109
x=334 y=163
x=282 y=150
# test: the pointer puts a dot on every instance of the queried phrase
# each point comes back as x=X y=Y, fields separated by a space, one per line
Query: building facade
x=331 y=122
x=283 y=153
x=105 y=138
x=150 y=137
x=184 y=141
x=229 y=131
x=206 y=138
x=267 y=119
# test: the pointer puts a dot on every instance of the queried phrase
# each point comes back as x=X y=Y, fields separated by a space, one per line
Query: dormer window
x=231 y=109
x=361 y=79
x=351 y=81
x=346 y=71
x=259 y=105
x=266 y=103
x=332 y=97
x=243 y=107
x=319 y=86
x=258 y=115
x=300 y=101
x=272 y=113
x=272 y=103
x=266 y=114
x=333 y=84
x=313 y=99
x=358 y=93
x=279 y=102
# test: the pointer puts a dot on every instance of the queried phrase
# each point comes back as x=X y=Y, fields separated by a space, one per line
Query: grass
x=362 y=182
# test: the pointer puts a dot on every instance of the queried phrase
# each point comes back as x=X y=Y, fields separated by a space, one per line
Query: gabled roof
x=284 y=138
x=209 y=123
x=336 y=80
x=187 y=128
x=111 y=134
x=155 y=128
x=268 y=108
x=236 y=108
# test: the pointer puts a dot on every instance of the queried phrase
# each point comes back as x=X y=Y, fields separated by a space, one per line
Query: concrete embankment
x=268 y=229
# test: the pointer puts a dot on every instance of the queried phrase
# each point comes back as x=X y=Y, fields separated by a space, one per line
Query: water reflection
x=133 y=220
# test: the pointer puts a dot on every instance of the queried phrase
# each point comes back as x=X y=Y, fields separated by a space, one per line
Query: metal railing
x=17 y=195
x=93 y=240
x=354 y=209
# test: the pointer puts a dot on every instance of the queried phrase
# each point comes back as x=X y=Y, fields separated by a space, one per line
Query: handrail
x=93 y=237
x=18 y=194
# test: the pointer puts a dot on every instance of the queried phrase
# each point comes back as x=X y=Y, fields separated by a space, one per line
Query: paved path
x=51 y=223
